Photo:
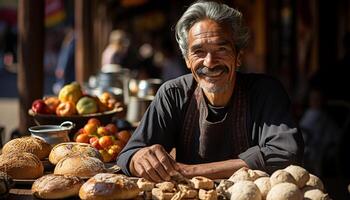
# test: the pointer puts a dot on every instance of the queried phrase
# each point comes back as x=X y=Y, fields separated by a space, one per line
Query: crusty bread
x=21 y=165
x=105 y=186
x=79 y=165
x=65 y=149
x=33 y=145
x=55 y=186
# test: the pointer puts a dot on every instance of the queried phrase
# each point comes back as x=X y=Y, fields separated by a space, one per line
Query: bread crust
x=33 y=145
x=55 y=186
x=105 y=186
x=80 y=165
x=65 y=149
x=21 y=165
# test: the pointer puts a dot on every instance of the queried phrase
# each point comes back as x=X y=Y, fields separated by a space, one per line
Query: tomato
x=90 y=128
x=123 y=136
x=105 y=141
x=94 y=121
x=83 y=138
x=111 y=128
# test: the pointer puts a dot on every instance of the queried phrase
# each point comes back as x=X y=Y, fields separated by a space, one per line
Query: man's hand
x=153 y=163
x=213 y=170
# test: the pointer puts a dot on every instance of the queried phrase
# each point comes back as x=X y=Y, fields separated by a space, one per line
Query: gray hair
x=220 y=13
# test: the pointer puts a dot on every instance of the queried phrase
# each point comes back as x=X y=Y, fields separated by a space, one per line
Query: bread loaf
x=65 y=149
x=21 y=165
x=79 y=165
x=105 y=186
x=33 y=145
x=54 y=186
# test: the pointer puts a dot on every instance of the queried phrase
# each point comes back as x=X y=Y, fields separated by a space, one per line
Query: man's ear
x=239 y=58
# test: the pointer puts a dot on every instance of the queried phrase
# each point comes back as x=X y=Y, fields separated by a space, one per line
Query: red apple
x=39 y=106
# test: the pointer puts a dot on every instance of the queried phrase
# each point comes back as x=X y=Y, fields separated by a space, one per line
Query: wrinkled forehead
x=210 y=31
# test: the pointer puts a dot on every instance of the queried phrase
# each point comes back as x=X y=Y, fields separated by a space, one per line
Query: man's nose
x=208 y=60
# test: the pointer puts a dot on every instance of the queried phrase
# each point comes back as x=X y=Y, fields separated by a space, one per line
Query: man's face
x=211 y=56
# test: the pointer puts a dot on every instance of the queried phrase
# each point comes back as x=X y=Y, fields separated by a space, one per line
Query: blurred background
x=305 y=44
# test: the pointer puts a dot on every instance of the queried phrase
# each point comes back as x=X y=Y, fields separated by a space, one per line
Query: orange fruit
x=83 y=138
x=90 y=128
x=105 y=141
x=94 y=121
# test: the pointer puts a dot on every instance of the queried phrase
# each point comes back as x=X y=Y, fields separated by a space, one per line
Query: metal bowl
x=144 y=88
x=53 y=134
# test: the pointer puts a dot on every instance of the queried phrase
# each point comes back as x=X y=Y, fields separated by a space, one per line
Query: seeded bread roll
x=21 y=165
x=55 y=186
x=65 y=149
x=105 y=186
x=79 y=165
x=33 y=145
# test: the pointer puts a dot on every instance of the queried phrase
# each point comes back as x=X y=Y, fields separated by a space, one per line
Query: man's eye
x=223 y=49
x=199 y=52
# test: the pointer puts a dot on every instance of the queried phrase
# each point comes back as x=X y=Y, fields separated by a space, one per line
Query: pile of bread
x=76 y=162
x=291 y=183
x=22 y=158
x=196 y=188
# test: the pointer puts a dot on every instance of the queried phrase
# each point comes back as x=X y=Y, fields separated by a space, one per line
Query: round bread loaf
x=285 y=191
x=315 y=182
x=21 y=165
x=300 y=174
x=264 y=185
x=65 y=149
x=79 y=165
x=244 y=190
x=281 y=176
x=105 y=186
x=33 y=145
x=316 y=194
x=244 y=174
x=55 y=186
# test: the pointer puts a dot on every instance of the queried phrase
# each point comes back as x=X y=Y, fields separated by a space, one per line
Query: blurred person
x=115 y=54
x=218 y=119
x=171 y=65
x=65 y=69
x=321 y=133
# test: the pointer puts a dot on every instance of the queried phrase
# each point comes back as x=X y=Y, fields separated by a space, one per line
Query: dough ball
x=281 y=176
x=259 y=174
x=244 y=174
x=244 y=190
x=284 y=191
x=315 y=194
x=264 y=185
x=315 y=182
x=300 y=174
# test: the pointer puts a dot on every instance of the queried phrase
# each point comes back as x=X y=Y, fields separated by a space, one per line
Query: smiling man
x=216 y=118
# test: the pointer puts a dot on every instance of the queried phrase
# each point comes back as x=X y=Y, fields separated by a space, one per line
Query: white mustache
x=212 y=71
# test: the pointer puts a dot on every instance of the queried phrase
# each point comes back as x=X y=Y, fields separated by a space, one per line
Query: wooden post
x=84 y=58
x=30 y=57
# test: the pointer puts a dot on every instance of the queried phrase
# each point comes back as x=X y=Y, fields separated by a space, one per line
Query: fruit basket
x=78 y=120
